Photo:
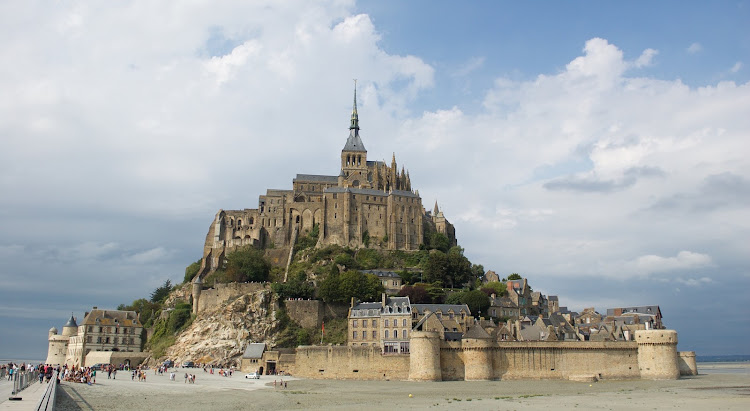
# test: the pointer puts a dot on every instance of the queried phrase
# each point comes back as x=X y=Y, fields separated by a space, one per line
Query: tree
x=191 y=271
x=417 y=294
x=515 y=276
x=342 y=287
x=495 y=287
x=436 y=267
x=477 y=301
x=296 y=287
x=458 y=267
x=247 y=264
x=440 y=242
x=162 y=292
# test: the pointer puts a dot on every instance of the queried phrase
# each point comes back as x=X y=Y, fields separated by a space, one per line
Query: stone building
x=104 y=336
x=368 y=203
x=385 y=324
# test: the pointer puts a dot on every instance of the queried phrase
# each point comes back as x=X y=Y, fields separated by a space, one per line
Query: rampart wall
x=213 y=297
x=475 y=360
x=349 y=363
x=310 y=313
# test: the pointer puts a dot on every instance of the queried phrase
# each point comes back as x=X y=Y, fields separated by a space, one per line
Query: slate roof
x=71 y=322
x=478 y=333
x=444 y=308
x=254 y=350
x=354 y=143
x=111 y=317
x=643 y=309
x=317 y=178
x=382 y=273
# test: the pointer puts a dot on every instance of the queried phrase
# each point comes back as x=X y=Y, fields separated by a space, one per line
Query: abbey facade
x=368 y=204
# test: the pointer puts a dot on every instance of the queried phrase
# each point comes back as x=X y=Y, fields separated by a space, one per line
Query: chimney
x=382 y=297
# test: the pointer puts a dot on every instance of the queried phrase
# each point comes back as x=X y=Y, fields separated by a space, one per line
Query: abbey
x=368 y=204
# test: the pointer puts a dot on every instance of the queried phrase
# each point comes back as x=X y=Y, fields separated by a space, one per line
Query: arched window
x=296 y=220
x=239 y=223
x=404 y=334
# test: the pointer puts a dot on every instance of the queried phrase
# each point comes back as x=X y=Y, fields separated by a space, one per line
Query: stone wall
x=687 y=363
x=349 y=363
x=310 y=313
x=213 y=297
x=115 y=358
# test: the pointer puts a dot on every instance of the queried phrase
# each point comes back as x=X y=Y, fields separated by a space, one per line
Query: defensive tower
x=657 y=354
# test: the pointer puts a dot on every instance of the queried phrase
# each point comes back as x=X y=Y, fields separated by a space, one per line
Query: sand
x=713 y=389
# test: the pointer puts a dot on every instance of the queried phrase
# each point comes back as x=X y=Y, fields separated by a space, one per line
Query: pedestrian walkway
x=29 y=397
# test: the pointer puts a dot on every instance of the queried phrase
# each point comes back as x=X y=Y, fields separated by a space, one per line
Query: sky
x=598 y=149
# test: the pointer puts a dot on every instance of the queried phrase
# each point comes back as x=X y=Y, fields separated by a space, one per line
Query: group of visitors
x=84 y=375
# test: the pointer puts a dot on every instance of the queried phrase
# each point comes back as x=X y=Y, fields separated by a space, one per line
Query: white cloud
x=694 y=48
x=736 y=67
x=684 y=260
x=645 y=58
x=469 y=66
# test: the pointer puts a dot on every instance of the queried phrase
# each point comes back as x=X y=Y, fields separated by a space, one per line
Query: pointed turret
x=435 y=211
x=354 y=143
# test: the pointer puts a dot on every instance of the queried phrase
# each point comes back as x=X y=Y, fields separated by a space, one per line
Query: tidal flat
x=711 y=389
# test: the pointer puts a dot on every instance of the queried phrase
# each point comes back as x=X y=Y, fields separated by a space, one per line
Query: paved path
x=30 y=396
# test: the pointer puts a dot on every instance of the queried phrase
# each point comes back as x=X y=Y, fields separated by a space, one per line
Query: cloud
x=645 y=59
x=684 y=260
x=694 y=48
x=736 y=67
x=473 y=64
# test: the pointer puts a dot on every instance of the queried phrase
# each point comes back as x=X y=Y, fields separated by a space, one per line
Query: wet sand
x=710 y=390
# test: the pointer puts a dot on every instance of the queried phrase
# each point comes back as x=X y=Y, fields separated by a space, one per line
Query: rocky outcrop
x=220 y=332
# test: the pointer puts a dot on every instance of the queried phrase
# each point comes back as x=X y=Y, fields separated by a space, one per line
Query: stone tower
x=477 y=349
x=424 y=356
x=354 y=155
x=657 y=354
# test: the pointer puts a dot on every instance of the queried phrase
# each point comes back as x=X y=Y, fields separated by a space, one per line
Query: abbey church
x=368 y=204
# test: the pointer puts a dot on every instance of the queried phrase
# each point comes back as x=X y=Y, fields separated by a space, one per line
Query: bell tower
x=354 y=155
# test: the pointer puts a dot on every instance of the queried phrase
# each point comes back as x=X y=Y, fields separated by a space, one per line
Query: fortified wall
x=652 y=356
x=213 y=297
x=311 y=313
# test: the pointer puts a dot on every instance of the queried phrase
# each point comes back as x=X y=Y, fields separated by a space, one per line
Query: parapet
x=656 y=337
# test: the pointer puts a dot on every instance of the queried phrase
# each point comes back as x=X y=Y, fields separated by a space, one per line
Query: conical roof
x=71 y=322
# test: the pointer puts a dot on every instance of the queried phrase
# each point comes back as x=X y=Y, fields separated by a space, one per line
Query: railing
x=22 y=379
x=48 y=400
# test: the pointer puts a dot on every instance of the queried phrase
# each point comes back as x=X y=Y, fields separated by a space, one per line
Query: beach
x=711 y=389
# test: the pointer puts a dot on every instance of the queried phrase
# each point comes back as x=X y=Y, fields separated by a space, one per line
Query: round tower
x=477 y=359
x=197 y=287
x=57 y=348
x=657 y=354
x=424 y=356
x=70 y=328
x=687 y=363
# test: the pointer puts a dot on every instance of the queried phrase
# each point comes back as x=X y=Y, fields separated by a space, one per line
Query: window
x=99 y=339
x=364 y=323
x=354 y=323
x=404 y=347
x=386 y=323
x=386 y=333
x=403 y=322
x=374 y=323
x=354 y=335
x=395 y=333
x=404 y=334
x=374 y=334
x=107 y=341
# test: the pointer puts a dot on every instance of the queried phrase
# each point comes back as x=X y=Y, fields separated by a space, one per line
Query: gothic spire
x=435 y=212
x=355 y=118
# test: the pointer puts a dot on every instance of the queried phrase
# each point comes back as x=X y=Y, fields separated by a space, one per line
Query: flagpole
x=322 y=331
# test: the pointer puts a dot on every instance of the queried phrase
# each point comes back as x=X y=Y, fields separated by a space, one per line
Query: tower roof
x=354 y=143
x=71 y=322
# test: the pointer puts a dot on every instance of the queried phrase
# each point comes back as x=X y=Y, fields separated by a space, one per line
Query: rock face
x=220 y=332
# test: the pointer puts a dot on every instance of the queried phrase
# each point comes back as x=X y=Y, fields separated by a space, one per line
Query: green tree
x=440 y=242
x=515 y=276
x=346 y=260
x=296 y=287
x=368 y=258
x=247 y=264
x=191 y=271
x=477 y=301
x=342 y=287
x=495 y=287
x=458 y=267
x=162 y=292
x=436 y=268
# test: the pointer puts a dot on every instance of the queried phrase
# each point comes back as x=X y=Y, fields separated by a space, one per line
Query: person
x=284 y=384
x=186 y=377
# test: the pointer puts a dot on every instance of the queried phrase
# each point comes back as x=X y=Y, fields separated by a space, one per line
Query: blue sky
x=596 y=148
